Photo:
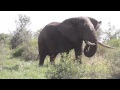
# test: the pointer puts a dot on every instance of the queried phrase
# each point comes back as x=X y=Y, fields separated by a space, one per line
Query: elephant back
x=53 y=23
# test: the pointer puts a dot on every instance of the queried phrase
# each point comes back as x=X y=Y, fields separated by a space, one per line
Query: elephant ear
x=95 y=23
x=68 y=31
x=98 y=25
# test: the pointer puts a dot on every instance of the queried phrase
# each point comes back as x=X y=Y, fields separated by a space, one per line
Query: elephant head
x=78 y=29
x=90 y=50
x=90 y=36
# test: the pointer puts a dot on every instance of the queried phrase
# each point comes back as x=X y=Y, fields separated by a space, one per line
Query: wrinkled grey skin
x=62 y=37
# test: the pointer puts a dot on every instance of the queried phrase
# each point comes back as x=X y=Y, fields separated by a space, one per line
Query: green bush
x=21 y=34
x=5 y=51
x=18 y=51
x=113 y=57
x=28 y=51
x=20 y=37
x=101 y=51
x=67 y=69
x=64 y=70
x=114 y=42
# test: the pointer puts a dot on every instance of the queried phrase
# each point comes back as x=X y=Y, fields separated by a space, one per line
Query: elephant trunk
x=89 y=51
x=90 y=48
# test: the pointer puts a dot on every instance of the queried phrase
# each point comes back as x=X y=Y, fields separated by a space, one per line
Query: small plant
x=18 y=51
x=114 y=42
x=27 y=51
x=64 y=70
x=101 y=51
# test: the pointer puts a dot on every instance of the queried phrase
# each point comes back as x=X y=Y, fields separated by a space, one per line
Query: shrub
x=4 y=46
x=28 y=51
x=21 y=35
x=18 y=51
x=67 y=69
x=114 y=42
x=113 y=57
x=101 y=51
x=64 y=70
x=4 y=51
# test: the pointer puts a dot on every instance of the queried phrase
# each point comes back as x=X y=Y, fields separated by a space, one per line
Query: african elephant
x=61 y=37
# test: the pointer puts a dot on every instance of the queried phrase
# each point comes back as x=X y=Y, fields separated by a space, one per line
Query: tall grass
x=104 y=64
x=90 y=69
x=17 y=69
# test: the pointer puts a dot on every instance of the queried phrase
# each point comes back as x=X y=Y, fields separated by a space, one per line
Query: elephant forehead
x=89 y=25
x=86 y=21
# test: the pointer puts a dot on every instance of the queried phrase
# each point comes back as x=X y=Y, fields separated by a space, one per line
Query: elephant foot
x=79 y=59
x=52 y=63
x=40 y=65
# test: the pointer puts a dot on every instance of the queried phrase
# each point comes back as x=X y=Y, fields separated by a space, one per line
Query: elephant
x=58 y=37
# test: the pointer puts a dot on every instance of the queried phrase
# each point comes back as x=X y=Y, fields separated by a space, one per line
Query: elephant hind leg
x=42 y=58
x=52 y=58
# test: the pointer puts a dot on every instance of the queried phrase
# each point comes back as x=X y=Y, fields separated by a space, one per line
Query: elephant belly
x=65 y=46
x=59 y=47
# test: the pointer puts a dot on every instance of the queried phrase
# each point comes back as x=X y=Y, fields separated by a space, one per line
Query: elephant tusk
x=105 y=45
x=89 y=43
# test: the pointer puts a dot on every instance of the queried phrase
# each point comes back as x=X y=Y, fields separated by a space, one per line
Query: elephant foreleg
x=78 y=54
